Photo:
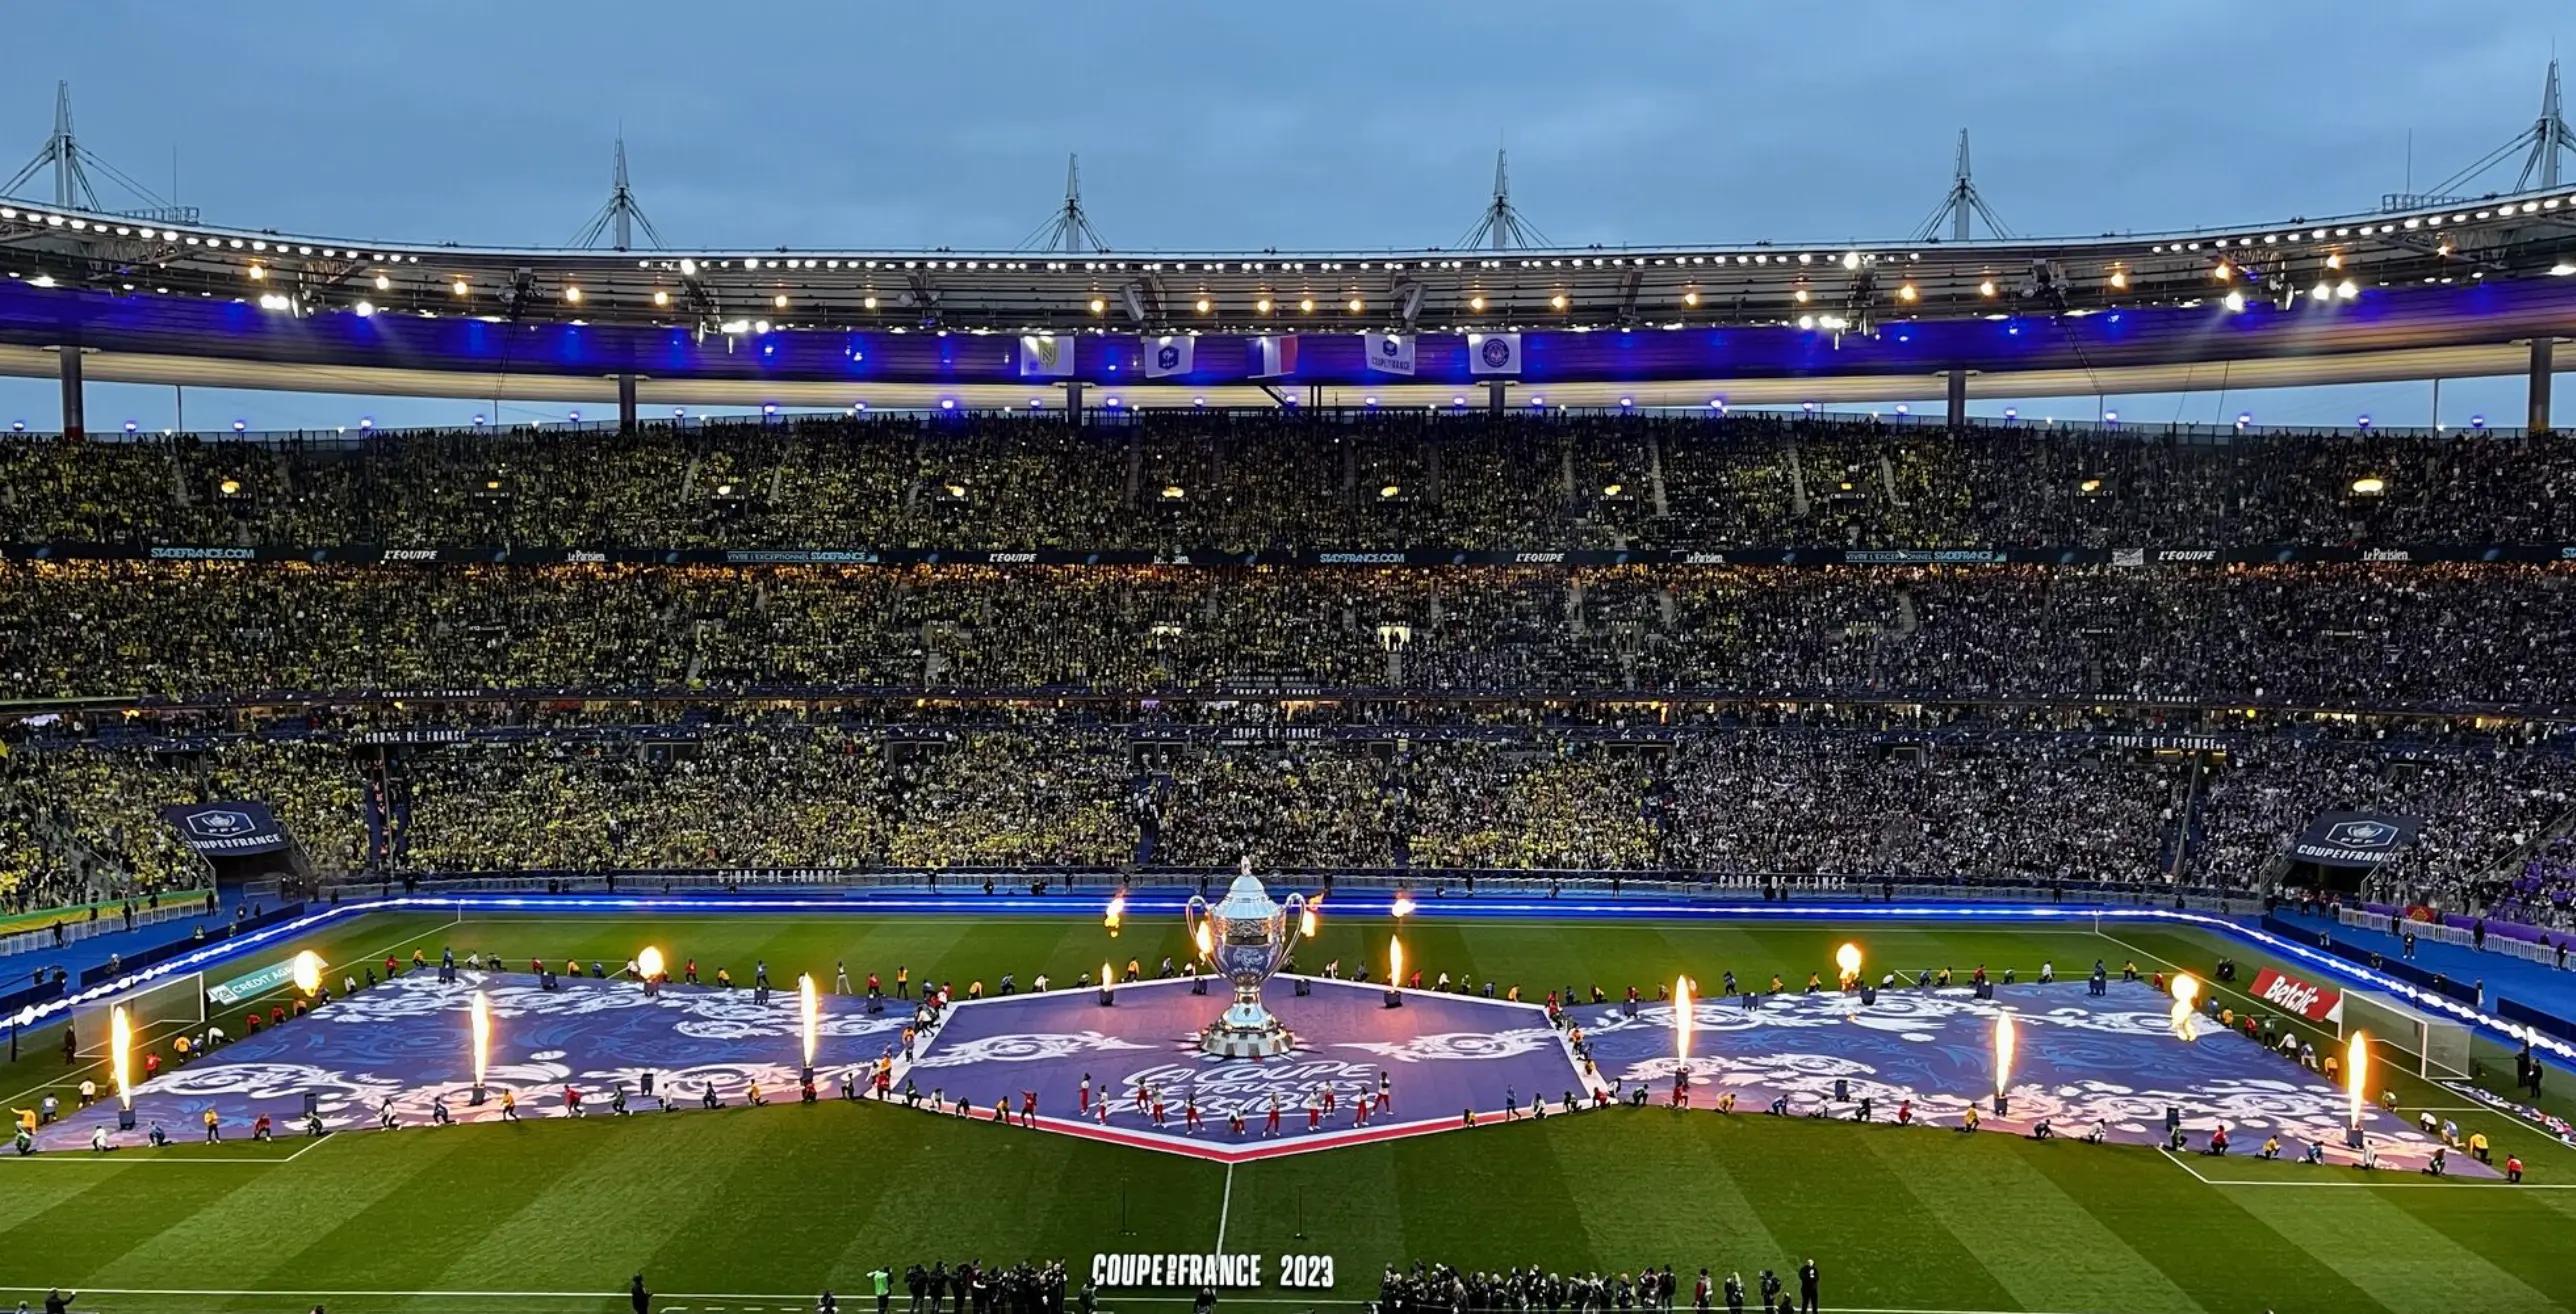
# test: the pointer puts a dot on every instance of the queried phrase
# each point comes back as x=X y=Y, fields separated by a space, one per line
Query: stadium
x=1485 y=777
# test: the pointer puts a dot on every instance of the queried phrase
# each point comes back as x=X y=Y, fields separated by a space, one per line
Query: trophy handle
x=1194 y=915
x=1292 y=915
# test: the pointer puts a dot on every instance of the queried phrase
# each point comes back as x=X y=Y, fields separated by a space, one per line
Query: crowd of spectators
x=2353 y=636
x=78 y=827
x=2542 y=892
x=2476 y=810
x=1743 y=801
x=1051 y=783
x=1240 y=481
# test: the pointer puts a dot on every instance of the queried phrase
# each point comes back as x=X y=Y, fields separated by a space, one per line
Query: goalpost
x=165 y=1007
x=2439 y=1044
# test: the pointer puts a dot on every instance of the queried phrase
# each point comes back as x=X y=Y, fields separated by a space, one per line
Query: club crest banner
x=1046 y=356
x=1493 y=353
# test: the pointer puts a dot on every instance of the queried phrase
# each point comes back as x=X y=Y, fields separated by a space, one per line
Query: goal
x=2438 y=1046
x=165 y=1007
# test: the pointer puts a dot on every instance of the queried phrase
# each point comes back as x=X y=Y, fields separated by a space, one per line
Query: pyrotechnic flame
x=2356 y=1070
x=1117 y=913
x=308 y=972
x=2004 y=1037
x=2185 y=991
x=1403 y=905
x=649 y=962
x=1395 y=961
x=1847 y=959
x=1312 y=918
x=812 y=1008
x=1682 y=1020
x=482 y=1023
x=1205 y=939
x=1104 y=975
x=120 y=1052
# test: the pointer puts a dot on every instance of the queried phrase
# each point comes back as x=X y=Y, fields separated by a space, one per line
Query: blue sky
x=1318 y=125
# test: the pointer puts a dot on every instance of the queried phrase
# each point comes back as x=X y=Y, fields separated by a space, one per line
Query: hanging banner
x=1046 y=356
x=226 y=827
x=1169 y=355
x=1389 y=353
x=1272 y=357
x=1493 y=353
x=2353 y=839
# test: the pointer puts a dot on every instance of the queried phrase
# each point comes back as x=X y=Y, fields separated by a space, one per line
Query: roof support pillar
x=1494 y=398
x=626 y=418
x=1073 y=403
x=1958 y=412
x=2544 y=352
x=75 y=412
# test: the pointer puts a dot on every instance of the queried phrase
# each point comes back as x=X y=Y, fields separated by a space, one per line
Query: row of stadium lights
x=689 y=266
x=1265 y=304
x=1849 y=260
x=572 y=294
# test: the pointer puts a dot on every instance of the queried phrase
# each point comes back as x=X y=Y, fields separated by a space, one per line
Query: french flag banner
x=1389 y=353
x=1168 y=355
x=1046 y=356
x=1493 y=353
x=1272 y=357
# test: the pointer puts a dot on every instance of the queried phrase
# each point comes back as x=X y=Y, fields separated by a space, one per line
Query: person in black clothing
x=914 y=1280
x=638 y=1297
x=1807 y=1286
x=59 y=1301
x=1770 y=1288
x=1734 y=1293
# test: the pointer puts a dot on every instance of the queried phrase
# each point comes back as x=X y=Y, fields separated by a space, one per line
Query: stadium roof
x=99 y=266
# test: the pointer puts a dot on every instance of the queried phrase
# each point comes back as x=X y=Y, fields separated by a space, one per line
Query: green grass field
x=757 y=1210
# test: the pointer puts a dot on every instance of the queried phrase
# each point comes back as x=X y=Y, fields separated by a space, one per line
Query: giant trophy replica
x=1244 y=938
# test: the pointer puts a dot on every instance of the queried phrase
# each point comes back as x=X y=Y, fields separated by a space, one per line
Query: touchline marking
x=2400 y=1185
x=794 y=1301
x=1224 y=1207
x=115 y=1157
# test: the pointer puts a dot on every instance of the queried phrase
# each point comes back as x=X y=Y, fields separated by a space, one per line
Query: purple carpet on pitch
x=1437 y=1056
x=2080 y=1062
x=407 y=1040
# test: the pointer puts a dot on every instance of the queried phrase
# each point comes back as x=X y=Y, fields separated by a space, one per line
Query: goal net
x=2437 y=1046
x=164 y=1008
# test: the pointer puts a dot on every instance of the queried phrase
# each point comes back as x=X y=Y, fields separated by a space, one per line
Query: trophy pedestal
x=1246 y=1030
x=1223 y=1041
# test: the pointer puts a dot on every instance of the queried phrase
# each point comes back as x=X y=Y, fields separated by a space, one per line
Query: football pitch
x=740 y=1209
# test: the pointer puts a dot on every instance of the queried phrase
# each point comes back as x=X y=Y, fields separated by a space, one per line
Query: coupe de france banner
x=1046 y=356
x=2353 y=839
x=1493 y=353
x=1169 y=355
x=1389 y=353
x=226 y=827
